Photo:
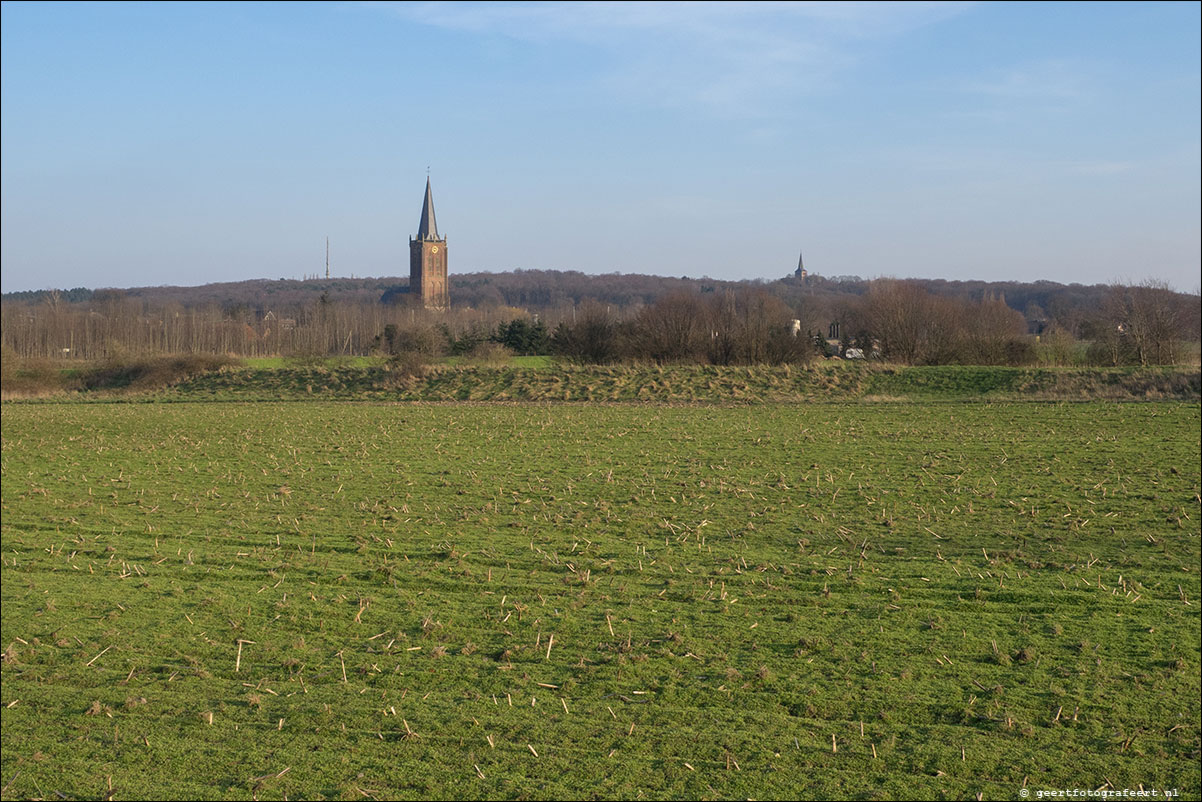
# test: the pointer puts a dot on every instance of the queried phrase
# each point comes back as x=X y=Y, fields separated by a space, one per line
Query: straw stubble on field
x=349 y=600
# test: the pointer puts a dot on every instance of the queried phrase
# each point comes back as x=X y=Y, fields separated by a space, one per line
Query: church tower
x=800 y=272
x=428 y=261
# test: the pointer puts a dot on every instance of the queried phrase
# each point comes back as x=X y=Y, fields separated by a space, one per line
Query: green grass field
x=356 y=600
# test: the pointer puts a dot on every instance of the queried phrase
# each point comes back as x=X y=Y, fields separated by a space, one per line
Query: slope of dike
x=687 y=384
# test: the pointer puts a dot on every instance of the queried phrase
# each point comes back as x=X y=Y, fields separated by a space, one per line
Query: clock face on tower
x=434 y=249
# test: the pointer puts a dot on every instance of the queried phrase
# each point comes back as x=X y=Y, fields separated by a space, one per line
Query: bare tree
x=760 y=315
x=994 y=334
x=1153 y=322
x=898 y=313
x=723 y=345
x=766 y=331
x=1139 y=324
x=671 y=330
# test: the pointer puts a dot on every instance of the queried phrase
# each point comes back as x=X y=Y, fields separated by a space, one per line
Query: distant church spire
x=801 y=268
x=427 y=229
x=428 y=261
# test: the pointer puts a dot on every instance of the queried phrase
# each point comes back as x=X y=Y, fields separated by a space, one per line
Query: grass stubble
x=532 y=601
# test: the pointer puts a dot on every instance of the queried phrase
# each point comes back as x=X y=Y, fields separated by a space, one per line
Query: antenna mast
x=327 y=257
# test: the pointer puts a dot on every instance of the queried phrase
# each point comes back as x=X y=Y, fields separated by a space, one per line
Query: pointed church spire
x=427 y=229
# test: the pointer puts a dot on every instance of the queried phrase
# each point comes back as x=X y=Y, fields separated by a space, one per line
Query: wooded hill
x=545 y=292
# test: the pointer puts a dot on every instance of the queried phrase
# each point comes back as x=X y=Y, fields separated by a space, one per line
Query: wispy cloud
x=730 y=58
x=1102 y=168
x=1045 y=80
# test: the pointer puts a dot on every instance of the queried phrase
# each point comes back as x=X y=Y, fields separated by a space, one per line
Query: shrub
x=152 y=372
x=488 y=353
x=1058 y=347
x=405 y=366
x=30 y=377
x=591 y=339
x=427 y=341
x=523 y=336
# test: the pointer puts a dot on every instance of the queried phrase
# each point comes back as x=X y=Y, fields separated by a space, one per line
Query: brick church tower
x=428 y=261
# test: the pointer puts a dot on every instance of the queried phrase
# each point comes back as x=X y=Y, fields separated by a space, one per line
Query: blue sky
x=179 y=143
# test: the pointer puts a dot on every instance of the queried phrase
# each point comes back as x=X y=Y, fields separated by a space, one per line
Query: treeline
x=113 y=323
x=1145 y=325
x=895 y=321
x=551 y=293
x=632 y=318
x=748 y=327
